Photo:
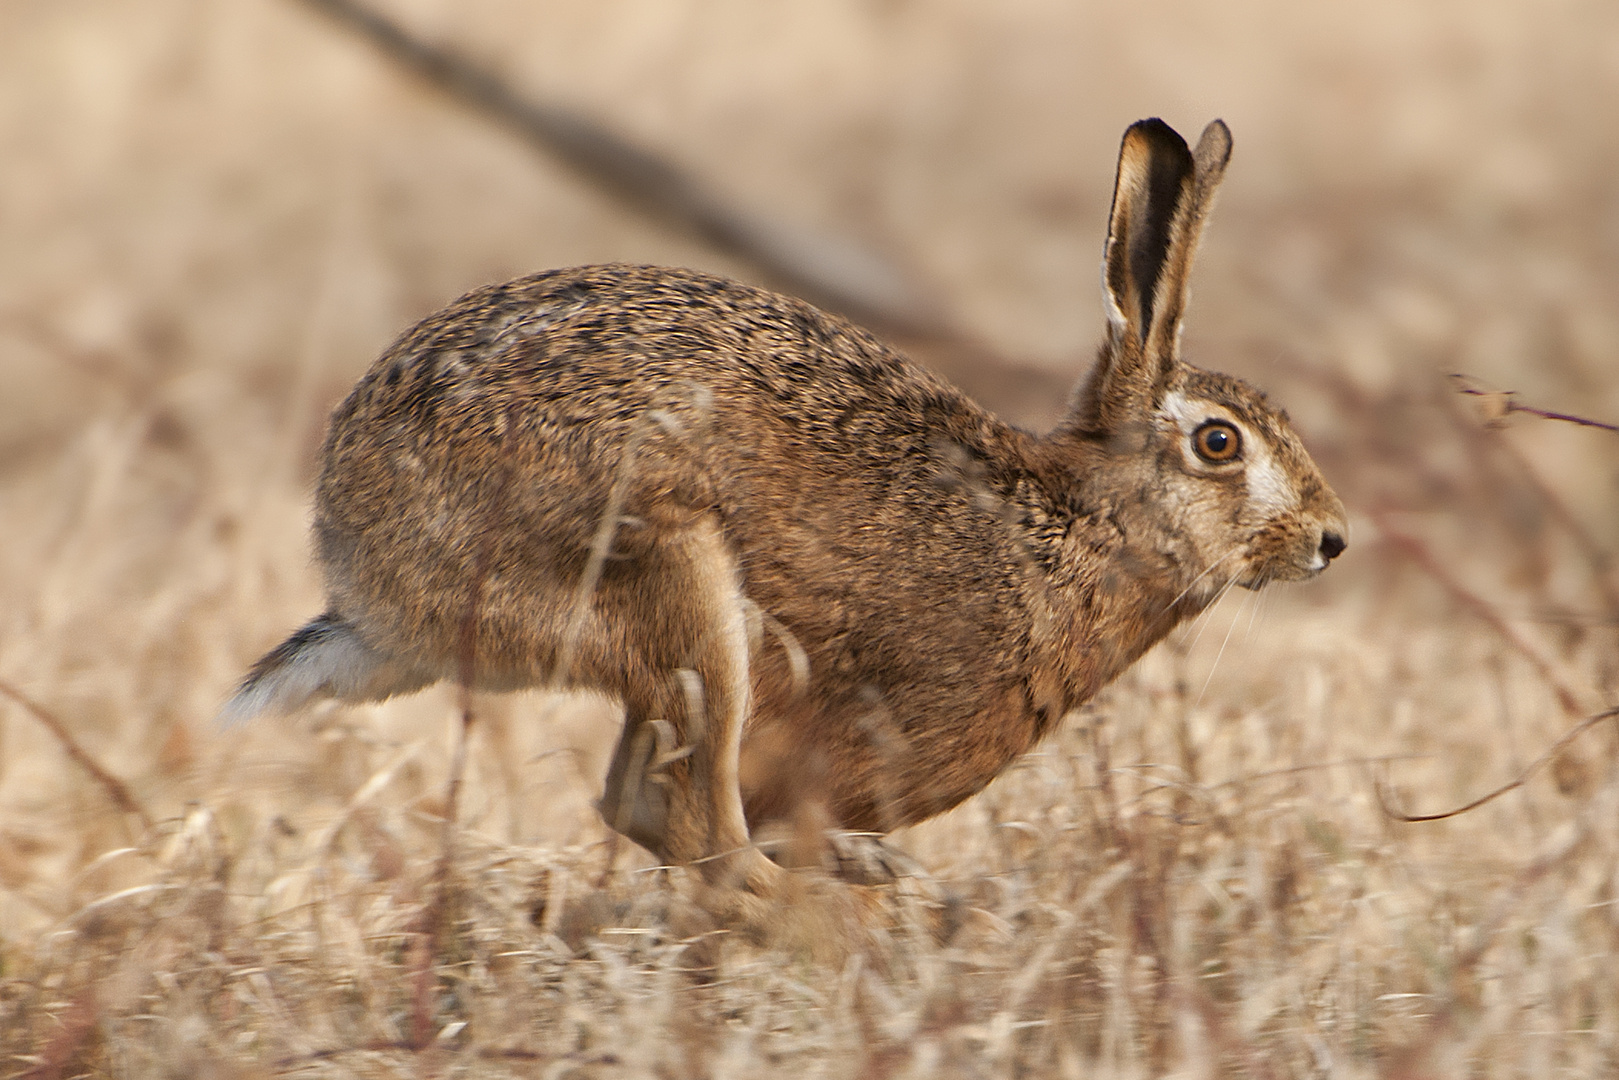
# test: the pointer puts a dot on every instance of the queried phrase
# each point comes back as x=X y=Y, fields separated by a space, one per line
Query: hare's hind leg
x=674 y=783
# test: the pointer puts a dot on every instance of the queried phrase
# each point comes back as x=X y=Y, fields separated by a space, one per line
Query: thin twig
x=486 y=1053
x=1385 y=801
x=1206 y=792
x=115 y=788
x=1379 y=759
x=437 y=914
x=612 y=516
x=1496 y=405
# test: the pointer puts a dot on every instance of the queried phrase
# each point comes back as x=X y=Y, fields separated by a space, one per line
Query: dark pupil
x=1215 y=441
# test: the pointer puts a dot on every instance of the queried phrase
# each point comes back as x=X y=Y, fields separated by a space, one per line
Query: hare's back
x=594 y=344
x=492 y=433
x=560 y=371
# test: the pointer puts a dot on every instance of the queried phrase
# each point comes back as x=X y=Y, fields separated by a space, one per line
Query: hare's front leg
x=673 y=786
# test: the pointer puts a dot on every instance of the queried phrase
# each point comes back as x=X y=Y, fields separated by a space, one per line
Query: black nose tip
x=1332 y=545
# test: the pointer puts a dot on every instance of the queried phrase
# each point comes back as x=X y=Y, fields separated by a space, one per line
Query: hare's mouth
x=1266 y=571
x=1264 y=568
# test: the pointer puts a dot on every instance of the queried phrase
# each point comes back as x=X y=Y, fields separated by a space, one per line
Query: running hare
x=813 y=573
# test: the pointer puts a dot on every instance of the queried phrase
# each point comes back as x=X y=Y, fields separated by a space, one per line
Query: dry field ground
x=215 y=213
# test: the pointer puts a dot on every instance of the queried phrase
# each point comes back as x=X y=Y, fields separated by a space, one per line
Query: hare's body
x=836 y=493
x=815 y=575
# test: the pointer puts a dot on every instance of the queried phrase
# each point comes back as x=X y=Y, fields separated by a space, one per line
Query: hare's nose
x=1332 y=545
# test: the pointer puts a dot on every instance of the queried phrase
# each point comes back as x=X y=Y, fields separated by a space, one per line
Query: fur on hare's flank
x=815 y=575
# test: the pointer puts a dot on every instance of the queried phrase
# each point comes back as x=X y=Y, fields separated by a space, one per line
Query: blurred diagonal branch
x=1418 y=553
x=833 y=270
x=114 y=787
x=1491 y=442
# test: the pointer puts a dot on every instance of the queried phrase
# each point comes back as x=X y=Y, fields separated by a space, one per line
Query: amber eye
x=1217 y=441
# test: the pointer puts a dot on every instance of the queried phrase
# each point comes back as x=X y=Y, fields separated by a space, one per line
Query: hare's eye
x=1217 y=441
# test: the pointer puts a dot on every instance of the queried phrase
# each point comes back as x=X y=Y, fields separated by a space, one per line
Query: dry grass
x=215 y=214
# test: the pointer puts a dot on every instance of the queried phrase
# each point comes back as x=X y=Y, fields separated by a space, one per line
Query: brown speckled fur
x=787 y=486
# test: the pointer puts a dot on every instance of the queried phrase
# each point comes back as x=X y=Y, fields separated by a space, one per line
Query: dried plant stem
x=601 y=543
x=1414 y=1061
x=115 y=788
x=601 y=546
x=1385 y=800
x=481 y=1053
x=1504 y=462
x=436 y=916
x=75 y=1028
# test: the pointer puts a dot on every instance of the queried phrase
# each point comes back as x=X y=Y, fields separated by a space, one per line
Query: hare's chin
x=1270 y=574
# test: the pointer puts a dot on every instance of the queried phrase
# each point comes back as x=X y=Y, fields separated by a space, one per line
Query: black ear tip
x=1155 y=132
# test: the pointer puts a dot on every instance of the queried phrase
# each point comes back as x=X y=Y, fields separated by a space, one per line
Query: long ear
x=1160 y=200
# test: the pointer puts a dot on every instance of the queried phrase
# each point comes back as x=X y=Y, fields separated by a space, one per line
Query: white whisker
x=1206 y=616
x=1215 y=666
x=1206 y=572
x=1261 y=598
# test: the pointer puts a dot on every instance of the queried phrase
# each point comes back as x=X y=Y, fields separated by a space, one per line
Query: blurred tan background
x=215 y=213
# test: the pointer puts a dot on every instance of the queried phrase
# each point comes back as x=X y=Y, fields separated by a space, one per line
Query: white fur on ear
x=1116 y=321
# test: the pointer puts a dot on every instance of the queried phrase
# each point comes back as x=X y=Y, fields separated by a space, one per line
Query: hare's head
x=1208 y=482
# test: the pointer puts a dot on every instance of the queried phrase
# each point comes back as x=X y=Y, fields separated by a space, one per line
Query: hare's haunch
x=817 y=577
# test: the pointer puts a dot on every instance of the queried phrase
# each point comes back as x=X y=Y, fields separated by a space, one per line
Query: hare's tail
x=325 y=658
